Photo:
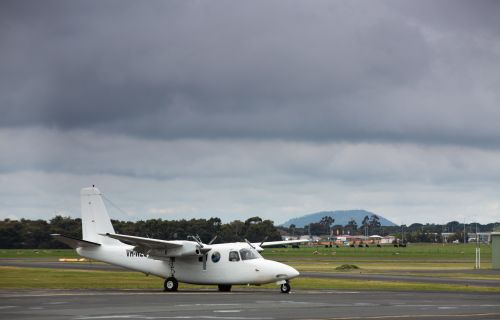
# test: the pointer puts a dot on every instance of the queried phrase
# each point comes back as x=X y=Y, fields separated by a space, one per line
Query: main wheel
x=224 y=287
x=285 y=287
x=171 y=284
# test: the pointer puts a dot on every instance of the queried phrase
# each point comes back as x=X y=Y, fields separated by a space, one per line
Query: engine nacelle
x=188 y=248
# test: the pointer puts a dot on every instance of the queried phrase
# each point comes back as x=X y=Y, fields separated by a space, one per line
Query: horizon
x=274 y=222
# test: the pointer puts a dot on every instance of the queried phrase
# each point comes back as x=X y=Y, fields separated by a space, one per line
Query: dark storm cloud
x=389 y=71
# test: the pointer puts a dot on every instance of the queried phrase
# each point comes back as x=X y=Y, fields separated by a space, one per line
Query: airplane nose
x=286 y=272
x=293 y=272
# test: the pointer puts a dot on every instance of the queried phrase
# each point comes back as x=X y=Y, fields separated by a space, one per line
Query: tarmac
x=245 y=304
x=39 y=263
x=252 y=303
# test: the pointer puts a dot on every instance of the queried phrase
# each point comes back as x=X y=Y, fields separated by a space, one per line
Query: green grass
x=414 y=252
x=415 y=257
x=352 y=284
x=38 y=253
x=433 y=252
x=39 y=278
x=30 y=278
x=425 y=260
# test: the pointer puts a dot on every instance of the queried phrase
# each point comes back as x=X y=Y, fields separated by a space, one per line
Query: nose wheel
x=171 y=284
x=285 y=287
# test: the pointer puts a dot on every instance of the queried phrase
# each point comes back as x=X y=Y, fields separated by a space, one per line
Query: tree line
x=35 y=234
x=370 y=225
x=327 y=226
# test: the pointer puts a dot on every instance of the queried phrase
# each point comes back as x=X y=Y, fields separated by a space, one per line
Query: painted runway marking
x=227 y=311
x=121 y=316
x=7 y=307
x=57 y=302
x=169 y=317
x=412 y=316
x=66 y=294
x=289 y=302
x=414 y=305
x=207 y=305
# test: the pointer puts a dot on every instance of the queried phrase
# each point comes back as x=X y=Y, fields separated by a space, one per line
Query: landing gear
x=171 y=284
x=224 y=287
x=285 y=287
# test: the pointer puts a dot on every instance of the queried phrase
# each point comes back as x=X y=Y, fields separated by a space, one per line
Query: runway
x=245 y=304
x=38 y=263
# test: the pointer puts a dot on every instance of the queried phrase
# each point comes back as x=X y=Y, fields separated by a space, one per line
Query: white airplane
x=176 y=261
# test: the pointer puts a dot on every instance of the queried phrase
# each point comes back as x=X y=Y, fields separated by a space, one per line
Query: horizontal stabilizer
x=75 y=243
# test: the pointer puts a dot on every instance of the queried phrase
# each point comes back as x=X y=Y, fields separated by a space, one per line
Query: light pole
x=478 y=251
x=464 y=230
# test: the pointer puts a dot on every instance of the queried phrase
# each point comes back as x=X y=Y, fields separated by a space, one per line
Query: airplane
x=188 y=261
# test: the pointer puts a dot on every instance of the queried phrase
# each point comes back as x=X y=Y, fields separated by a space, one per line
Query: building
x=484 y=237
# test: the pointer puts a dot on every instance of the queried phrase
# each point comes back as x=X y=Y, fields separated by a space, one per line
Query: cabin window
x=234 y=256
x=215 y=257
x=247 y=254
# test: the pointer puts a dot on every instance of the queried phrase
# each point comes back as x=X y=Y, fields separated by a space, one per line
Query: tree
x=253 y=220
x=316 y=228
x=352 y=226
x=453 y=226
x=374 y=223
x=231 y=232
x=259 y=231
x=327 y=222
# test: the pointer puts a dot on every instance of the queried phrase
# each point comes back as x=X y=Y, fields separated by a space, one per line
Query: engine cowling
x=188 y=248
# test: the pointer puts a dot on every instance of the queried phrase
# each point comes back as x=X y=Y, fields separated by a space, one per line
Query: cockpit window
x=247 y=254
x=234 y=256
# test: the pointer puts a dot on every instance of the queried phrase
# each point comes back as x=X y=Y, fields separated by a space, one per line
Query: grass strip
x=42 y=278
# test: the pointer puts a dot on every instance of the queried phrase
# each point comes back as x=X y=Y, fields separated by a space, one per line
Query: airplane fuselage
x=229 y=263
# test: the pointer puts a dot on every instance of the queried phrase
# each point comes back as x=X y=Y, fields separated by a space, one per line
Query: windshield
x=247 y=254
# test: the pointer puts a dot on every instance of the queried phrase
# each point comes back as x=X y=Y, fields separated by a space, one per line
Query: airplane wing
x=145 y=242
x=161 y=249
x=259 y=246
x=74 y=243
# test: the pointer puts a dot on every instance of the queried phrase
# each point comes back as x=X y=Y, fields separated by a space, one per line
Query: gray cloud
x=237 y=179
x=331 y=71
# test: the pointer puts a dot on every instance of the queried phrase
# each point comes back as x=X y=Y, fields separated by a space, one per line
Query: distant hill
x=341 y=217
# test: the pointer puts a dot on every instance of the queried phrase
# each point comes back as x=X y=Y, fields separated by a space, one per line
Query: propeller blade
x=249 y=243
x=213 y=239
x=263 y=240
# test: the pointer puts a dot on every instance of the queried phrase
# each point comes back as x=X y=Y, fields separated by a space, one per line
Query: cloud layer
x=266 y=107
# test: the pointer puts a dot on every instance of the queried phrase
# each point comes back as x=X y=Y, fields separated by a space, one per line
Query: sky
x=234 y=109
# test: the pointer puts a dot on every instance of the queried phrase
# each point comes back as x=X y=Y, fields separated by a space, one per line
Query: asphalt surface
x=244 y=304
x=37 y=263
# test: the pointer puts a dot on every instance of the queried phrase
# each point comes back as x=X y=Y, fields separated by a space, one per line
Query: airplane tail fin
x=95 y=218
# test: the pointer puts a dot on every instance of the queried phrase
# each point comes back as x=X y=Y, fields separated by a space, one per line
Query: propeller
x=205 y=261
x=250 y=244
x=263 y=241
x=213 y=239
x=196 y=239
x=204 y=251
